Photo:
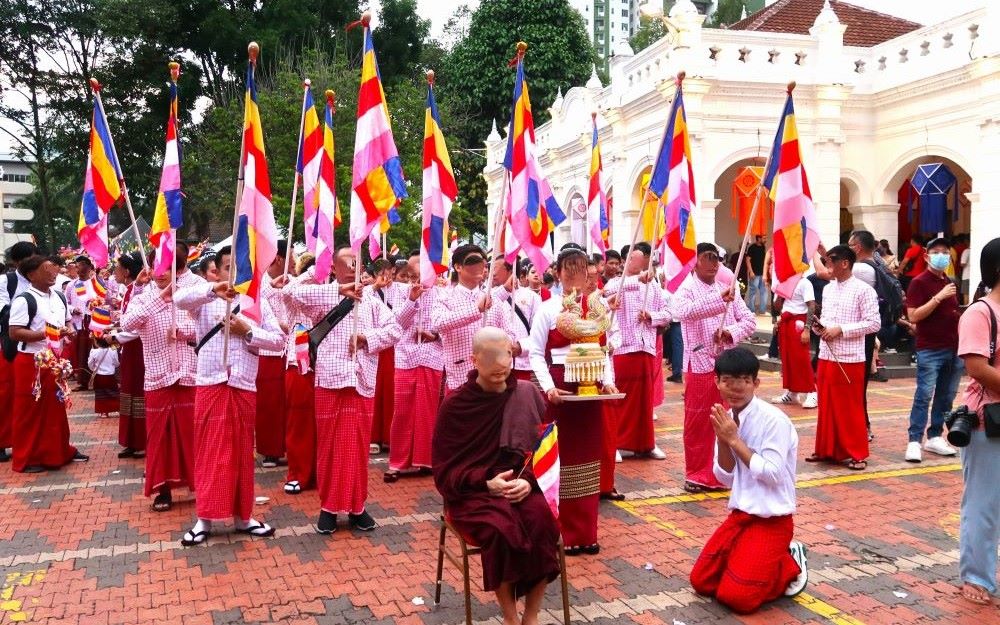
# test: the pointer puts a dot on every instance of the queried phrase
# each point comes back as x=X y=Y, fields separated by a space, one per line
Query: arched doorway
x=727 y=227
x=901 y=190
x=846 y=218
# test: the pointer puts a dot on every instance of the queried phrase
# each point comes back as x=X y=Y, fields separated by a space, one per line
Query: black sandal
x=162 y=502
x=612 y=495
x=191 y=539
x=390 y=477
x=573 y=551
x=694 y=489
x=258 y=530
x=815 y=458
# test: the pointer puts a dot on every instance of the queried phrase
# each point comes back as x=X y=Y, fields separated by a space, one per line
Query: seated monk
x=484 y=431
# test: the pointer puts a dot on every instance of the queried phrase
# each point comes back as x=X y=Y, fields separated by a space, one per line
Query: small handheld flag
x=302 y=348
x=168 y=215
x=53 y=336
x=545 y=466
x=102 y=188
x=98 y=288
x=100 y=320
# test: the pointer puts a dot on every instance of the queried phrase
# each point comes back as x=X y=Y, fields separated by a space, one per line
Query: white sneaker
x=618 y=457
x=798 y=551
x=939 y=446
x=913 y=452
x=810 y=401
x=784 y=398
x=657 y=454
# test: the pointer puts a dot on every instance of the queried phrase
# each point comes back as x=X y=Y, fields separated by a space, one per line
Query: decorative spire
x=494 y=133
x=594 y=82
x=743 y=13
x=826 y=16
x=559 y=99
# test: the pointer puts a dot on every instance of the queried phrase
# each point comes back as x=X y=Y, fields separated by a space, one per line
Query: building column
x=824 y=183
x=704 y=221
x=882 y=220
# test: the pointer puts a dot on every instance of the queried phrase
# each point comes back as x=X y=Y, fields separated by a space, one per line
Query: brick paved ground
x=82 y=546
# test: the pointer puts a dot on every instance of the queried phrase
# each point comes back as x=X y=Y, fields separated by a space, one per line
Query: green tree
x=400 y=39
x=651 y=30
x=728 y=12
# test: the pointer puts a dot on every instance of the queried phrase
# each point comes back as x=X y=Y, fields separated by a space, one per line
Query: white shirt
x=801 y=296
x=864 y=272
x=103 y=361
x=766 y=488
x=50 y=309
x=22 y=285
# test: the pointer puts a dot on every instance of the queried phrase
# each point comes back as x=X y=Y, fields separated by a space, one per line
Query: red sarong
x=796 y=362
x=132 y=405
x=343 y=433
x=746 y=562
x=385 y=388
x=6 y=403
x=581 y=427
x=223 y=452
x=658 y=392
x=841 y=432
x=170 y=438
x=416 y=407
x=41 y=429
x=700 y=393
x=106 y=398
x=635 y=375
x=270 y=419
x=300 y=427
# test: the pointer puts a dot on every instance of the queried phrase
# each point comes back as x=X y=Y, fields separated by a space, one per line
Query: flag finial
x=175 y=70
x=366 y=18
x=307 y=83
x=96 y=86
x=681 y=75
x=521 y=47
x=791 y=87
x=330 y=95
x=430 y=77
x=593 y=115
x=253 y=50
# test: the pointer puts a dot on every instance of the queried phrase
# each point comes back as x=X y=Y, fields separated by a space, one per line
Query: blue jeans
x=938 y=374
x=979 y=529
x=673 y=348
x=757 y=299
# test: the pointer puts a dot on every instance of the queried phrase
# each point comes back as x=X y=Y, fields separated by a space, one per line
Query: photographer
x=980 y=521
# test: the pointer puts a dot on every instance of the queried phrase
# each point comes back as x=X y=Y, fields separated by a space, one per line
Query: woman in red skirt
x=581 y=424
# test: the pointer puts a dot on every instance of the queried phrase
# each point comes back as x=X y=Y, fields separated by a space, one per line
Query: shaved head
x=490 y=339
x=493 y=358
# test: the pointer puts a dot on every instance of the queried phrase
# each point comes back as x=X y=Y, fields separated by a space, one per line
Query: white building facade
x=867 y=116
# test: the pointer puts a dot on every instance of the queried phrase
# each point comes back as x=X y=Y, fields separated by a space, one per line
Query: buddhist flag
x=100 y=320
x=328 y=216
x=102 y=187
x=308 y=165
x=672 y=181
x=651 y=213
x=796 y=234
x=440 y=192
x=377 y=185
x=256 y=242
x=302 y=348
x=597 y=199
x=54 y=338
x=98 y=288
x=545 y=466
x=168 y=217
x=534 y=212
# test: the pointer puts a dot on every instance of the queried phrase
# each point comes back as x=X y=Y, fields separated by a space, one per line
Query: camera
x=960 y=424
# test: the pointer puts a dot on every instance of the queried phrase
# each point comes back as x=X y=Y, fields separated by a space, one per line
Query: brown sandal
x=857 y=465
x=693 y=488
x=815 y=458
x=974 y=593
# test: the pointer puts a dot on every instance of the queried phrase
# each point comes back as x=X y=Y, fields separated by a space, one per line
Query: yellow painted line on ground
x=824 y=609
x=899 y=411
x=823 y=481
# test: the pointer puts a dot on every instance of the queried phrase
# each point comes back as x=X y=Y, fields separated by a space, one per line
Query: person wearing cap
x=14 y=283
x=269 y=424
x=80 y=294
x=467 y=308
x=932 y=304
x=132 y=401
x=713 y=319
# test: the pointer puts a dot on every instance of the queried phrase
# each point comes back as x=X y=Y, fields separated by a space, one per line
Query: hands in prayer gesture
x=506 y=485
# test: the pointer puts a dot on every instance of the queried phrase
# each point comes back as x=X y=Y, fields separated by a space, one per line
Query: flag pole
x=252 y=51
x=96 y=87
x=295 y=184
x=497 y=221
x=746 y=234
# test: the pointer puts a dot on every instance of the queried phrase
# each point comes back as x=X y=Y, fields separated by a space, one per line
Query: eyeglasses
x=712 y=258
x=473 y=259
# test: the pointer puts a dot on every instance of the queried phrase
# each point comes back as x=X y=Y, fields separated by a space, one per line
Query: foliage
x=728 y=12
x=651 y=30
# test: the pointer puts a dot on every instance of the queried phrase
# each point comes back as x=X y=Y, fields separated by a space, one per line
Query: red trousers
x=269 y=424
x=6 y=402
x=343 y=433
x=796 y=363
x=700 y=393
x=41 y=428
x=223 y=452
x=841 y=432
x=635 y=375
x=746 y=562
x=169 y=438
x=300 y=427
x=416 y=407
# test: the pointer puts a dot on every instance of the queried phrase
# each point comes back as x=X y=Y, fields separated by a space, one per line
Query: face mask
x=940 y=261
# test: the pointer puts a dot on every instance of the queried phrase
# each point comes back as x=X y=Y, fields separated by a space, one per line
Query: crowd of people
x=452 y=381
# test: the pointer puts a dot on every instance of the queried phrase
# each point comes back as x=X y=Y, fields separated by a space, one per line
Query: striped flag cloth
x=672 y=181
x=256 y=241
x=168 y=215
x=534 y=212
x=54 y=338
x=440 y=192
x=377 y=185
x=100 y=320
x=302 y=348
x=597 y=199
x=81 y=288
x=308 y=166
x=102 y=188
x=796 y=232
x=328 y=216
x=545 y=466
x=195 y=252
x=98 y=287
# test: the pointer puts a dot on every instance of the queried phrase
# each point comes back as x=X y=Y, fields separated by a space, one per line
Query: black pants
x=869 y=356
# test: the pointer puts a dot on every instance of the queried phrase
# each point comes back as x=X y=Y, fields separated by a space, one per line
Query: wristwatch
x=248 y=337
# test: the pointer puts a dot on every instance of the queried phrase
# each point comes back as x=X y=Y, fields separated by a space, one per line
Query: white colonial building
x=869 y=109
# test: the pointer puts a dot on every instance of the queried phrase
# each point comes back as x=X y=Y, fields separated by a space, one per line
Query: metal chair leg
x=440 y=571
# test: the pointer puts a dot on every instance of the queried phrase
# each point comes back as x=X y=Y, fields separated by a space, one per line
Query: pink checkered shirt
x=699 y=307
x=273 y=297
x=335 y=367
x=632 y=335
x=412 y=352
x=208 y=310
x=167 y=361
x=295 y=313
x=456 y=318
x=852 y=305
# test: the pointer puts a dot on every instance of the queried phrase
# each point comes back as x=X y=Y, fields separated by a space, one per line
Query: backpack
x=5 y=317
x=891 y=300
x=10 y=347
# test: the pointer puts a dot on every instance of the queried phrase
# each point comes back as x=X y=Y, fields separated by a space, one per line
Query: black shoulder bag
x=991 y=412
x=318 y=333
x=211 y=333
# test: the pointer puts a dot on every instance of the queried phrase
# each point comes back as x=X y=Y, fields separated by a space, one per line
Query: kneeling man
x=484 y=430
x=751 y=559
